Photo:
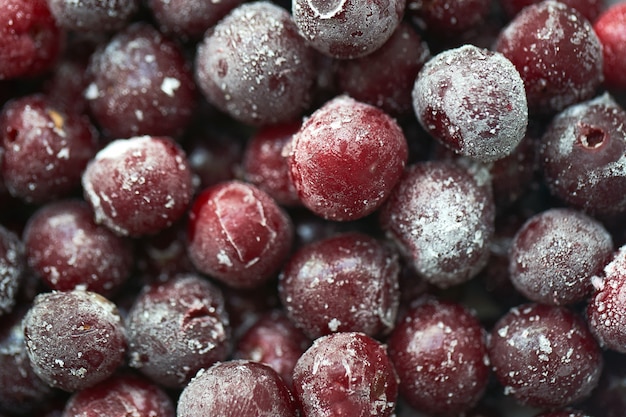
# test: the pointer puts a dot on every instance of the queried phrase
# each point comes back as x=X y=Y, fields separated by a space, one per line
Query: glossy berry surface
x=265 y=163
x=347 y=28
x=189 y=19
x=556 y=253
x=176 y=328
x=254 y=65
x=93 y=15
x=67 y=249
x=385 y=77
x=557 y=54
x=440 y=353
x=611 y=30
x=346 y=374
x=74 y=339
x=31 y=39
x=46 y=148
x=138 y=186
x=237 y=388
x=120 y=395
x=583 y=154
x=348 y=282
x=545 y=356
x=140 y=84
x=12 y=268
x=442 y=219
x=473 y=101
x=238 y=234
x=346 y=159
x=606 y=312
x=275 y=341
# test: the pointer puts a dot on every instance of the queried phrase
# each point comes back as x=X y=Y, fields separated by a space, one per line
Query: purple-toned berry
x=385 y=77
x=589 y=8
x=176 y=328
x=439 y=350
x=67 y=249
x=265 y=163
x=563 y=413
x=345 y=283
x=237 y=388
x=346 y=159
x=120 y=395
x=473 y=101
x=606 y=311
x=189 y=19
x=448 y=18
x=555 y=255
x=138 y=186
x=12 y=268
x=46 y=148
x=238 y=234
x=74 y=339
x=557 y=54
x=31 y=39
x=93 y=15
x=545 y=356
x=274 y=340
x=442 y=219
x=583 y=153
x=140 y=84
x=347 y=28
x=254 y=65
x=344 y=375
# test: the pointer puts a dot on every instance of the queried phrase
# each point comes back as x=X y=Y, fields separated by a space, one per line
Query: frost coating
x=12 y=264
x=473 y=101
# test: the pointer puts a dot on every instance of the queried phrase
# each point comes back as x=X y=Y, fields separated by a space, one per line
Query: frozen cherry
x=385 y=77
x=473 y=101
x=46 y=148
x=93 y=15
x=22 y=392
x=591 y=9
x=274 y=340
x=557 y=54
x=583 y=153
x=347 y=28
x=347 y=282
x=120 y=395
x=265 y=164
x=140 y=84
x=606 y=311
x=448 y=18
x=12 y=268
x=176 y=328
x=563 y=413
x=346 y=159
x=189 y=19
x=238 y=234
x=611 y=30
x=237 y=388
x=254 y=65
x=439 y=350
x=556 y=253
x=138 y=186
x=67 y=249
x=31 y=39
x=346 y=374
x=442 y=219
x=74 y=339
x=545 y=356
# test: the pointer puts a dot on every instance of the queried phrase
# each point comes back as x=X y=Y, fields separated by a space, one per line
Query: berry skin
x=473 y=101
x=611 y=30
x=346 y=159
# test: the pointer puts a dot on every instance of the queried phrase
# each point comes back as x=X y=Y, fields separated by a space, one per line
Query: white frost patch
x=170 y=85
